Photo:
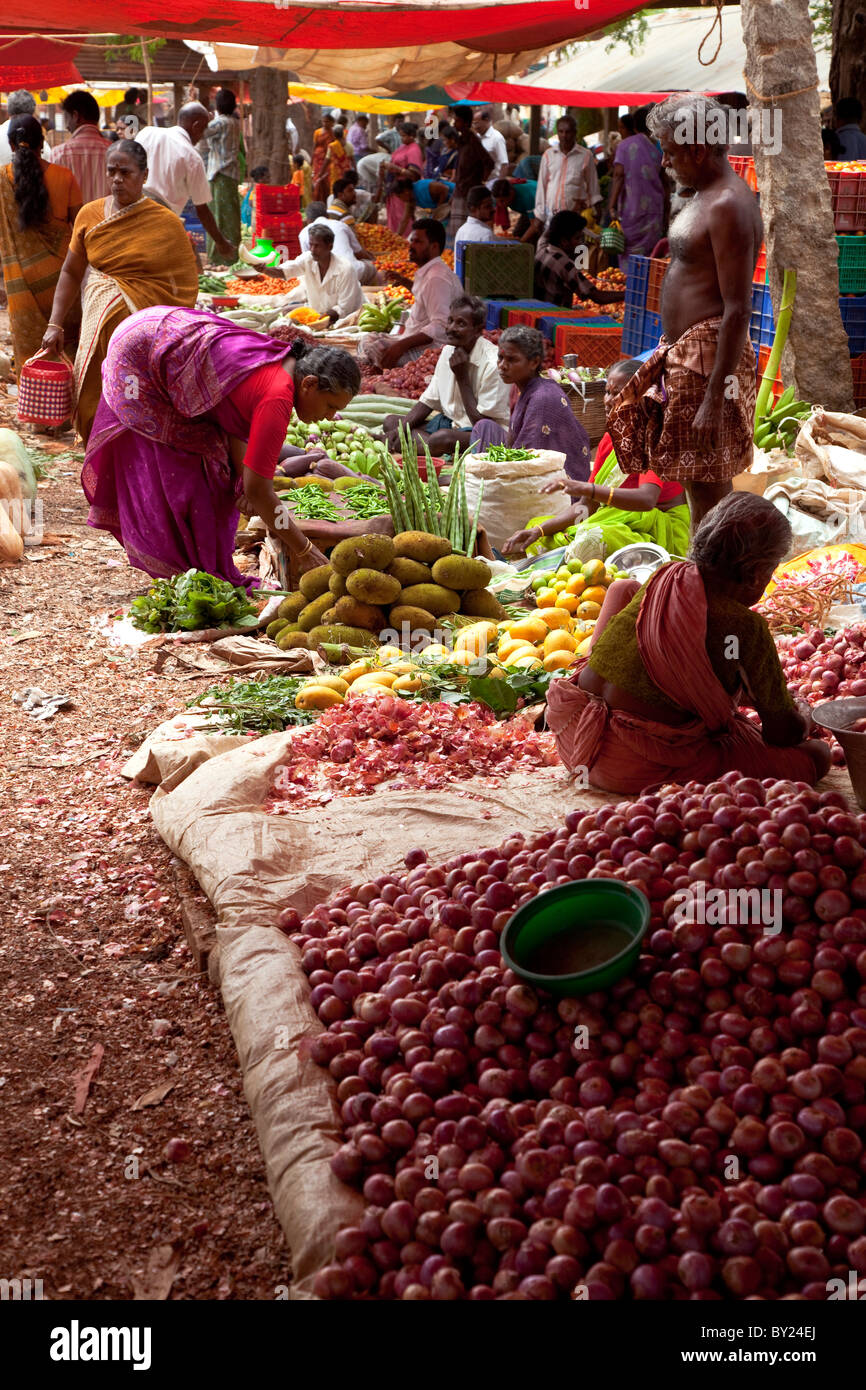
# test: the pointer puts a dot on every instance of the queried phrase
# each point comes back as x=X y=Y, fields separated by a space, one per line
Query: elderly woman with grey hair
x=658 y=697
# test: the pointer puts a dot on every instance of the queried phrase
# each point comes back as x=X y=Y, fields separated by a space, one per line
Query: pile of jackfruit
x=374 y=583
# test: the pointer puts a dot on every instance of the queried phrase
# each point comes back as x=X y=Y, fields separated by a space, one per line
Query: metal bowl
x=639 y=560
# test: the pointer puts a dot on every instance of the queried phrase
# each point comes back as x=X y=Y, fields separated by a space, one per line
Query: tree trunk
x=848 y=63
x=269 y=144
x=795 y=195
x=535 y=130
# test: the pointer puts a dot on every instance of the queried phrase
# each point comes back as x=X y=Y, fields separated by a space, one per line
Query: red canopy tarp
x=546 y=96
x=489 y=26
x=35 y=63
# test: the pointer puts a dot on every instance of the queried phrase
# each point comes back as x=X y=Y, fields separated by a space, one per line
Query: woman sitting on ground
x=657 y=697
x=624 y=507
x=541 y=417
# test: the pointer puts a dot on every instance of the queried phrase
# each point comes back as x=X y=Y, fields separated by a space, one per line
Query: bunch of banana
x=380 y=318
x=778 y=430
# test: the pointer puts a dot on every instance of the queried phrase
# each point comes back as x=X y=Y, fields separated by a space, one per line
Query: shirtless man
x=698 y=430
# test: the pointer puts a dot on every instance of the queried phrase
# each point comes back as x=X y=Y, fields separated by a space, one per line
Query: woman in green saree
x=624 y=508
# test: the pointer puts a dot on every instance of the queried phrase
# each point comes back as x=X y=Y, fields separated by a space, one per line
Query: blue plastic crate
x=853 y=311
x=496 y=307
x=652 y=330
x=632 y=329
x=637 y=281
x=198 y=236
x=762 y=324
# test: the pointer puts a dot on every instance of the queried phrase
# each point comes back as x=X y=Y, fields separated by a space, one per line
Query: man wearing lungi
x=688 y=413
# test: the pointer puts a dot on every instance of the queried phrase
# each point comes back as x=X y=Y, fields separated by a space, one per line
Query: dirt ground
x=115 y=1044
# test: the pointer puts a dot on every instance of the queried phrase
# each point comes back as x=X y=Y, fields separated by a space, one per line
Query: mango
x=593 y=571
x=317 y=697
x=386 y=678
x=330 y=682
x=356 y=669
x=532 y=629
x=558 y=661
x=476 y=638
x=588 y=610
x=553 y=617
x=410 y=684
x=559 y=640
x=595 y=594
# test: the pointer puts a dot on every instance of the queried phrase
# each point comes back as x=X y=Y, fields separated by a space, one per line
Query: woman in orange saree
x=321 y=159
x=38 y=205
x=136 y=254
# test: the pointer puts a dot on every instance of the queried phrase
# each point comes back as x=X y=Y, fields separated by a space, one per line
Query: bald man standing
x=176 y=170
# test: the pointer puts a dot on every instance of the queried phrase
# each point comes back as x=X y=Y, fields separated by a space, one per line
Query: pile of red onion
x=826 y=668
x=693 y=1133
x=361 y=743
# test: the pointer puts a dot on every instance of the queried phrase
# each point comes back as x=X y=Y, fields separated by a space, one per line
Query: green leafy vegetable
x=192 y=601
x=263 y=707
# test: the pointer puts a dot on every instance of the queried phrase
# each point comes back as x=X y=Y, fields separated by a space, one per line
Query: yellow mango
x=371 y=691
x=557 y=661
x=583 y=649
x=531 y=629
x=329 y=682
x=410 y=683
x=567 y=602
x=386 y=678
x=595 y=594
x=435 y=652
x=588 y=610
x=576 y=584
x=466 y=658
x=400 y=668
x=476 y=638
x=386 y=655
x=317 y=697
x=506 y=650
x=545 y=597
x=554 y=617
x=559 y=641
x=594 y=571
x=526 y=663
x=356 y=669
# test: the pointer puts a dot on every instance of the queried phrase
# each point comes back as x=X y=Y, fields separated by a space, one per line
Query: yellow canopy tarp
x=351 y=101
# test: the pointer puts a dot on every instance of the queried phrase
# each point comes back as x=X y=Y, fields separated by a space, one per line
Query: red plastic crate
x=279 y=228
x=273 y=199
x=763 y=359
x=760 y=275
x=858 y=369
x=595 y=346
x=848 y=194
x=744 y=165
x=529 y=317
x=657 y=271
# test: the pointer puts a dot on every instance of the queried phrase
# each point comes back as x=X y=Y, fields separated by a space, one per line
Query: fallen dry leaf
x=158 y=1277
x=84 y=1078
x=155 y=1096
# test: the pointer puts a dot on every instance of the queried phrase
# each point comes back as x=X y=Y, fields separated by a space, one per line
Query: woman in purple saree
x=637 y=194
x=192 y=419
x=542 y=417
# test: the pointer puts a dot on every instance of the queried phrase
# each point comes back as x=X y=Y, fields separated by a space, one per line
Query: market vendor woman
x=657 y=698
x=191 y=425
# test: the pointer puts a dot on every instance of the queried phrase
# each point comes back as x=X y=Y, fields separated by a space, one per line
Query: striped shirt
x=220 y=147
x=84 y=153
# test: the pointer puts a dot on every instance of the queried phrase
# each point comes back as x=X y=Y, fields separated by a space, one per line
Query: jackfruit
x=461 y=572
x=312 y=614
x=421 y=546
x=433 y=597
x=337 y=584
x=416 y=618
x=276 y=626
x=371 y=586
x=292 y=637
x=410 y=572
x=362 y=552
x=354 y=613
x=315 y=582
x=292 y=606
x=480 y=603
x=337 y=634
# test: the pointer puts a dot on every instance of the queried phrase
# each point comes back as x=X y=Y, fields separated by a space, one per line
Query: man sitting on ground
x=557 y=278
x=341 y=209
x=330 y=284
x=435 y=287
x=466 y=385
x=479 y=224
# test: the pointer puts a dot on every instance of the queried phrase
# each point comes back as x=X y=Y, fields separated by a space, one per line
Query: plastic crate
x=198 y=236
x=497 y=270
x=547 y=324
x=852 y=264
x=760 y=275
x=762 y=324
x=858 y=370
x=652 y=331
x=533 y=318
x=657 y=271
x=594 y=345
x=276 y=199
x=279 y=229
x=763 y=359
x=498 y=308
x=853 y=311
x=637 y=281
x=744 y=165
x=848 y=194
x=632 y=329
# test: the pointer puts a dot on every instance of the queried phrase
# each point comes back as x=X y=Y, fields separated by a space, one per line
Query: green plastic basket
x=572 y=908
x=852 y=264
x=494 y=272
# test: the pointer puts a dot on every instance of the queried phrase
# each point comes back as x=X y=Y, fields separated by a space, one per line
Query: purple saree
x=542 y=419
x=157 y=471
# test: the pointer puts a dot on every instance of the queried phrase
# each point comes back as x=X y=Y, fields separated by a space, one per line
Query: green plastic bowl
x=571 y=908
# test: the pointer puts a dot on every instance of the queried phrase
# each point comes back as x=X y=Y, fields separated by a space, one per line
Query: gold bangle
x=306 y=550
x=610 y=496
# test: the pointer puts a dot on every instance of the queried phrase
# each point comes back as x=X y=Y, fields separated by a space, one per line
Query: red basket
x=278 y=226
x=657 y=271
x=46 y=391
x=760 y=275
x=744 y=165
x=763 y=359
x=858 y=371
x=275 y=198
x=848 y=193
x=530 y=317
x=595 y=347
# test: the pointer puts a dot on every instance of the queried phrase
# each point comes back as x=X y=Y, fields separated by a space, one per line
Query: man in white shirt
x=435 y=288
x=493 y=142
x=18 y=104
x=479 y=224
x=466 y=386
x=176 y=171
x=346 y=243
x=330 y=284
x=567 y=179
